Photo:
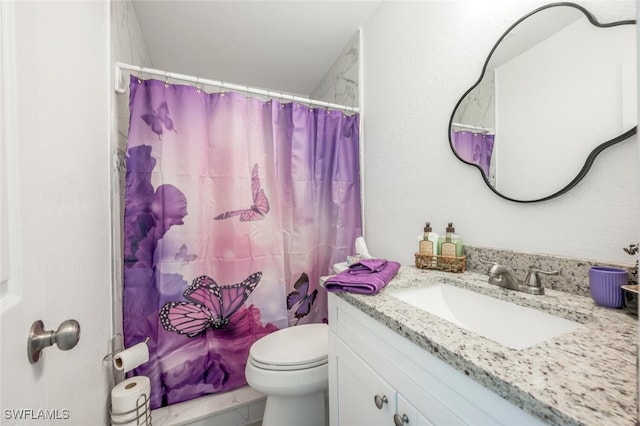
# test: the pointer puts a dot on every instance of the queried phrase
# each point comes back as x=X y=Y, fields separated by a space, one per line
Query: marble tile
x=128 y=46
x=127 y=42
x=478 y=106
x=340 y=84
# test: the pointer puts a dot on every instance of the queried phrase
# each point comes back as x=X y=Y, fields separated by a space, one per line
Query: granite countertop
x=584 y=377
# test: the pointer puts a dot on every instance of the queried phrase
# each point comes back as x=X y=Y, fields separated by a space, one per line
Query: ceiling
x=286 y=46
x=533 y=30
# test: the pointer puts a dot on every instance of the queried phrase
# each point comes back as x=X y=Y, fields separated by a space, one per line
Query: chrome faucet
x=502 y=277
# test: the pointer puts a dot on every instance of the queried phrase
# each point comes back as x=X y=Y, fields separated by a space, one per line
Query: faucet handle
x=489 y=262
x=494 y=269
x=533 y=279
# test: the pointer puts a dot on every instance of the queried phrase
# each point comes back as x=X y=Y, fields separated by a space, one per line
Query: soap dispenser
x=450 y=244
x=428 y=246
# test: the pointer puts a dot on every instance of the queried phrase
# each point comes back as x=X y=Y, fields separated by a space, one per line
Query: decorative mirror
x=557 y=89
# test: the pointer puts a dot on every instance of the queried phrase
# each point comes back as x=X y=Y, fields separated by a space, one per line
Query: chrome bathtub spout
x=502 y=277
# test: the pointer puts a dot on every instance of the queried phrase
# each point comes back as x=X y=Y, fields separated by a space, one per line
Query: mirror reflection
x=556 y=89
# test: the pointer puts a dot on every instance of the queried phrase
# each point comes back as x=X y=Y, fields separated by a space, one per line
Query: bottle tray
x=441 y=263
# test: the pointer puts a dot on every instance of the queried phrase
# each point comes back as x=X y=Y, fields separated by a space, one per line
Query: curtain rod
x=120 y=86
x=470 y=127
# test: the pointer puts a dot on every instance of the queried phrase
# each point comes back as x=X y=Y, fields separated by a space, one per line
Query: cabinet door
x=363 y=397
x=408 y=415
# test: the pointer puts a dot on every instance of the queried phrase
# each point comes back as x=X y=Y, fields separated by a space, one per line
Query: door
x=55 y=245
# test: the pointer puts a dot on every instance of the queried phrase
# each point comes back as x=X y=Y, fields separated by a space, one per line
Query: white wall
x=419 y=58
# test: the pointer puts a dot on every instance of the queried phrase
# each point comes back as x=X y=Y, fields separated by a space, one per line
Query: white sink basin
x=509 y=324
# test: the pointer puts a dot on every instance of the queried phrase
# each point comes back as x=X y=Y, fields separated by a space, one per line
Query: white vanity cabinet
x=371 y=400
x=371 y=366
x=408 y=414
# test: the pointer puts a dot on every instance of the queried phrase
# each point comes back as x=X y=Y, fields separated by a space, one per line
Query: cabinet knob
x=380 y=401
x=400 y=420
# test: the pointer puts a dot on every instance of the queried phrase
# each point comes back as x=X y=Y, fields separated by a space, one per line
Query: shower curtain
x=474 y=148
x=234 y=207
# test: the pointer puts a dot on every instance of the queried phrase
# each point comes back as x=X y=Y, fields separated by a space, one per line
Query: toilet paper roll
x=129 y=400
x=131 y=358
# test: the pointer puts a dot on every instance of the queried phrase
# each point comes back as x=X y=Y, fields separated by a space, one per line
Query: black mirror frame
x=592 y=156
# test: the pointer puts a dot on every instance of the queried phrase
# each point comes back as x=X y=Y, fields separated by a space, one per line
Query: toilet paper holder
x=116 y=345
x=111 y=355
x=141 y=414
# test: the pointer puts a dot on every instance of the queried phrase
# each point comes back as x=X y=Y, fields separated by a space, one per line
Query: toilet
x=290 y=367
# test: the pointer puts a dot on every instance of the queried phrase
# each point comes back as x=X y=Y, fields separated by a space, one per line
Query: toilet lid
x=293 y=348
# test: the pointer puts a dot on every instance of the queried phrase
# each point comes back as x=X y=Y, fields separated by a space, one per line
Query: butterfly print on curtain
x=260 y=206
x=183 y=256
x=301 y=295
x=156 y=120
x=209 y=305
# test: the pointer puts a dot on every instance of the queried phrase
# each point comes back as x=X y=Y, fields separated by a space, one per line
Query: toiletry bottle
x=429 y=244
x=450 y=244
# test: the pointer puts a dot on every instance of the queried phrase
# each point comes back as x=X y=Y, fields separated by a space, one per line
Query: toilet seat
x=285 y=367
x=294 y=348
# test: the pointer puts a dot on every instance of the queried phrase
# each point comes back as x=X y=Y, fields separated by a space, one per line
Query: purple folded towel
x=367 y=266
x=367 y=283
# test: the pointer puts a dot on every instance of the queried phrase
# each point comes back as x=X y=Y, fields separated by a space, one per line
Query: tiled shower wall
x=127 y=46
x=340 y=84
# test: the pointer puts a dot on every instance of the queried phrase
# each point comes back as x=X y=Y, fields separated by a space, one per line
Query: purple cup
x=605 y=285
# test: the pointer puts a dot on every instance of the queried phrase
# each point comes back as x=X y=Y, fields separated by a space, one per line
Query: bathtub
x=240 y=407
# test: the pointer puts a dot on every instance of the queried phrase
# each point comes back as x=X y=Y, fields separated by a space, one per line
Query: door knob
x=66 y=337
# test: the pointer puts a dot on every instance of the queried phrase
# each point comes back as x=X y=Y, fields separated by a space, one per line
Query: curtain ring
x=198 y=87
x=222 y=89
x=166 y=80
x=139 y=76
x=246 y=93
